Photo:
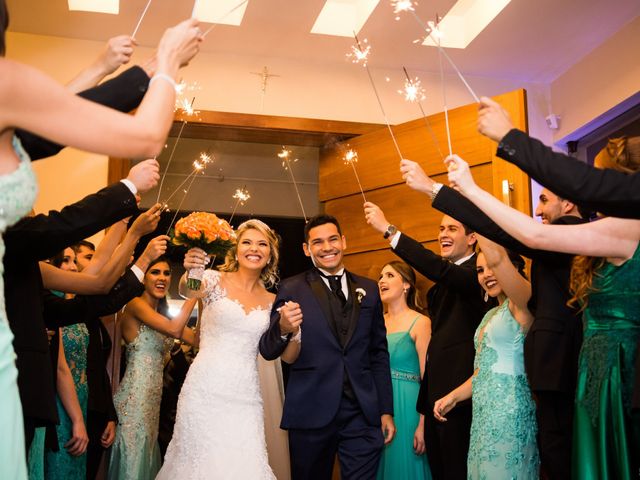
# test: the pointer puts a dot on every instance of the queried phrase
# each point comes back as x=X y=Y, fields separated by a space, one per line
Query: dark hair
x=83 y=243
x=318 y=220
x=57 y=259
x=160 y=259
x=4 y=24
x=163 y=303
x=517 y=262
x=409 y=276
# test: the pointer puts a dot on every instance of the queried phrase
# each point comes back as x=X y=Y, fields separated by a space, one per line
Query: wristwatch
x=391 y=230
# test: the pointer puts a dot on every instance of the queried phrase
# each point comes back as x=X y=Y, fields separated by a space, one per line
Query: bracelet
x=165 y=77
x=435 y=189
x=298 y=336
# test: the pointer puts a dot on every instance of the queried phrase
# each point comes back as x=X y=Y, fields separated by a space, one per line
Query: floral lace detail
x=219 y=424
x=503 y=429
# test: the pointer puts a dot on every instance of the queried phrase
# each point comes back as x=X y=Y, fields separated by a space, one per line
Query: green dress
x=18 y=191
x=606 y=434
x=61 y=465
x=398 y=458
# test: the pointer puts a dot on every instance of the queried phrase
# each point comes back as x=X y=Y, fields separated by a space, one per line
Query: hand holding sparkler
x=415 y=177
x=146 y=222
x=493 y=120
x=178 y=46
x=460 y=177
x=117 y=52
x=144 y=175
x=155 y=248
x=375 y=217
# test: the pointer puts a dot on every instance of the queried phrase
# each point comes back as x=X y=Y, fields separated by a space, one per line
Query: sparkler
x=362 y=56
x=188 y=111
x=144 y=12
x=223 y=17
x=351 y=157
x=286 y=163
x=434 y=33
x=241 y=195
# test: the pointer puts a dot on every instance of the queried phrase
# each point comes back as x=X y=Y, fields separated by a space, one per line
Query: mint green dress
x=61 y=465
x=503 y=427
x=135 y=454
x=18 y=191
x=606 y=438
x=398 y=458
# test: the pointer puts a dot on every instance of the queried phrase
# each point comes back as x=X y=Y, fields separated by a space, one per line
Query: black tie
x=335 y=284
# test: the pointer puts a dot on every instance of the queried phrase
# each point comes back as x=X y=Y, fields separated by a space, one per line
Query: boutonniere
x=360 y=294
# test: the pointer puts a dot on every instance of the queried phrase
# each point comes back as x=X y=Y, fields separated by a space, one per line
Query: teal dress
x=398 y=458
x=135 y=454
x=503 y=427
x=18 y=190
x=61 y=465
x=606 y=438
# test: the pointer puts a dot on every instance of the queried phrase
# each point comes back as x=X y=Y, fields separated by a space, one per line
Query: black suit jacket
x=60 y=312
x=456 y=306
x=37 y=238
x=122 y=93
x=608 y=191
x=552 y=345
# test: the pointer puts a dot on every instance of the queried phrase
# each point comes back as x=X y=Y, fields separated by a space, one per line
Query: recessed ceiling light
x=225 y=12
x=343 y=17
x=465 y=21
x=98 y=6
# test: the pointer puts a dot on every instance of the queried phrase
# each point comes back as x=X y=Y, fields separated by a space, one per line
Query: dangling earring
x=405 y=290
x=486 y=296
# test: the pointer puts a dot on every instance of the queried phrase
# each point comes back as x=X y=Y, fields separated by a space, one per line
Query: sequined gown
x=61 y=465
x=18 y=191
x=135 y=454
x=219 y=430
x=503 y=428
x=606 y=436
x=398 y=458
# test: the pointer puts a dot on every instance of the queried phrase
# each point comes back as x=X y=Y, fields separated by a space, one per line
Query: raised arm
x=141 y=311
x=605 y=190
x=36 y=103
x=610 y=237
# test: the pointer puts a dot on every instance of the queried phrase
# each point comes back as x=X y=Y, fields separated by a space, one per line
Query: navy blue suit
x=319 y=400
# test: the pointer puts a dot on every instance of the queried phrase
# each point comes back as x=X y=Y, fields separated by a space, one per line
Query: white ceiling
x=531 y=40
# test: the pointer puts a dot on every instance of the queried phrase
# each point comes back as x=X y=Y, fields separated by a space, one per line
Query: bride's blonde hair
x=621 y=154
x=269 y=274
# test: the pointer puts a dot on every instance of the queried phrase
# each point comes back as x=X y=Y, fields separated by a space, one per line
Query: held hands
x=375 y=217
x=493 y=120
x=117 y=52
x=290 y=318
x=388 y=428
x=414 y=176
x=145 y=175
x=444 y=406
x=146 y=222
x=79 y=440
x=178 y=46
x=460 y=176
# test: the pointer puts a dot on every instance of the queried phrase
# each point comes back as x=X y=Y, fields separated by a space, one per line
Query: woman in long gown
x=219 y=430
x=606 y=430
x=34 y=102
x=503 y=426
x=408 y=335
x=147 y=331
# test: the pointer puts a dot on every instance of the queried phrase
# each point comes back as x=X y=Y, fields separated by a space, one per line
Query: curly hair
x=621 y=154
x=269 y=274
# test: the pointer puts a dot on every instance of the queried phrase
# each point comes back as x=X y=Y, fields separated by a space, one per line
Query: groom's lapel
x=320 y=293
x=355 y=309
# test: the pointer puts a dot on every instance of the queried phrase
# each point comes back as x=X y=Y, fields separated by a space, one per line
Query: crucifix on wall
x=264 y=75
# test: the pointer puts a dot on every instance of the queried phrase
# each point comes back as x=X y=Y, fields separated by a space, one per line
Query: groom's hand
x=290 y=318
x=388 y=428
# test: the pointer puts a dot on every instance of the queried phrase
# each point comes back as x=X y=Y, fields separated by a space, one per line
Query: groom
x=338 y=398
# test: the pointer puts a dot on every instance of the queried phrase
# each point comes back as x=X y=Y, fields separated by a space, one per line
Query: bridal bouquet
x=206 y=231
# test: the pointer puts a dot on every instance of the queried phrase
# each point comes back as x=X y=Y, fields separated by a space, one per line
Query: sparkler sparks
x=242 y=195
x=187 y=107
x=350 y=157
x=401 y=6
x=285 y=155
x=359 y=54
x=413 y=91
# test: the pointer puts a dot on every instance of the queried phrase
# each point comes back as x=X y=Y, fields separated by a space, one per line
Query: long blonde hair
x=269 y=274
x=621 y=154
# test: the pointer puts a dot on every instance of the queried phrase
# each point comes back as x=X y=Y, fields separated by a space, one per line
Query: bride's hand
x=195 y=258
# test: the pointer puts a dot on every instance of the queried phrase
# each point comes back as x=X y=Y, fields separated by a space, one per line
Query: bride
x=219 y=429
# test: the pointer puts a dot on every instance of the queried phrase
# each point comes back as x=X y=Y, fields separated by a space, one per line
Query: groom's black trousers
x=358 y=445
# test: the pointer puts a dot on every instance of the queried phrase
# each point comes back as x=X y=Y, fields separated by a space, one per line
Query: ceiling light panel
x=97 y=6
x=342 y=18
x=225 y=12
x=465 y=21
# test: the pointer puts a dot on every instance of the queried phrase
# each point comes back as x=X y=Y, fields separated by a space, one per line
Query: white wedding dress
x=219 y=429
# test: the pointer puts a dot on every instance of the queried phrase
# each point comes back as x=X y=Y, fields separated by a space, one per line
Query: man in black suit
x=40 y=237
x=553 y=342
x=455 y=306
x=339 y=396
